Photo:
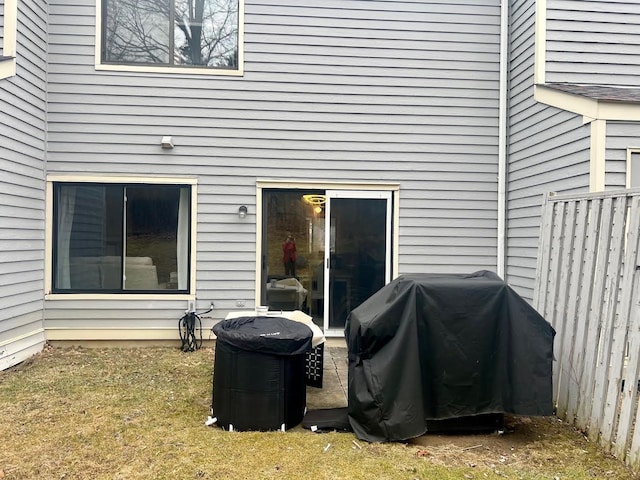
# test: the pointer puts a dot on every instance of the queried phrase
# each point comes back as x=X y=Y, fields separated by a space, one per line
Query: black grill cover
x=266 y=334
x=433 y=347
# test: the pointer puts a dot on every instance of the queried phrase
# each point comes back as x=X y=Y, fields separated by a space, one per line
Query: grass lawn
x=139 y=414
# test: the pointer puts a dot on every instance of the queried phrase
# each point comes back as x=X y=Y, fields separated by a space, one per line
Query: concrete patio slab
x=333 y=393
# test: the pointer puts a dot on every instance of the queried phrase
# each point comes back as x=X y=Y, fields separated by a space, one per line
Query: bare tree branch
x=205 y=32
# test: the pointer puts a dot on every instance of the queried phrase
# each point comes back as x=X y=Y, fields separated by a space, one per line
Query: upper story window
x=157 y=35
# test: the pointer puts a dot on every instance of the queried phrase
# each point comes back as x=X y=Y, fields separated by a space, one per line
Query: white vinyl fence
x=587 y=288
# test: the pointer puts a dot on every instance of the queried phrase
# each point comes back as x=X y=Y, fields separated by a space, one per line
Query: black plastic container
x=259 y=380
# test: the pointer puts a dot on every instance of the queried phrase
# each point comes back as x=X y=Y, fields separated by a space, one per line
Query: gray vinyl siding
x=401 y=92
x=548 y=152
x=117 y=316
x=22 y=134
x=593 y=42
x=620 y=136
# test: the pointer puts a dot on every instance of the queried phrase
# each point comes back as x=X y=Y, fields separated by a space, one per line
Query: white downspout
x=502 y=139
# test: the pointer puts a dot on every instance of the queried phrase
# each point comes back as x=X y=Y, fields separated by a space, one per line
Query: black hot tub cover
x=435 y=347
x=265 y=334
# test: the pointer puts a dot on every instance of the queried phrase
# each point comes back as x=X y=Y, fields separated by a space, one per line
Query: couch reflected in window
x=286 y=294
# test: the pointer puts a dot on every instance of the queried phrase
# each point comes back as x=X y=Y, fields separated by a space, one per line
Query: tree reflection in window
x=187 y=33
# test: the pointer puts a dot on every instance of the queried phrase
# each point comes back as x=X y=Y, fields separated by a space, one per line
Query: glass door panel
x=343 y=251
x=358 y=252
x=293 y=284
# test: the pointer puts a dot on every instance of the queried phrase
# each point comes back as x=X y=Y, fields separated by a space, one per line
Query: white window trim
x=631 y=151
x=10 y=33
x=540 y=48
x=172 y=70
x=48 y=273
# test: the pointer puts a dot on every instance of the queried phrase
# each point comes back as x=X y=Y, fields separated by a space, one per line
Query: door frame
x=270 y=184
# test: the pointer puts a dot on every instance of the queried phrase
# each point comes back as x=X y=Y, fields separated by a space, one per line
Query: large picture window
x=171 y=33
x=111 y=238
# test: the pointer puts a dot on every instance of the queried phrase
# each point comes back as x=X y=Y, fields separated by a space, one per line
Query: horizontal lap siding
x=22 y=133
x=593 y=42
x=21 y=336
x=401 y=92
x=118 y=320
x=548 y=151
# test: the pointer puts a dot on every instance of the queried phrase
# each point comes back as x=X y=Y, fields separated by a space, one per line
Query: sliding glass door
x=342 y=248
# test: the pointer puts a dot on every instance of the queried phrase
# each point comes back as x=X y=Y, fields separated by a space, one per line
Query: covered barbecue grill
x=439 y=347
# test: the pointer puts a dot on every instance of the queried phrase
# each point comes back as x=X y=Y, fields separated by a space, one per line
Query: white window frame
x=172 y=70
x=633 y=153
x=9 y=39
x=49 y=240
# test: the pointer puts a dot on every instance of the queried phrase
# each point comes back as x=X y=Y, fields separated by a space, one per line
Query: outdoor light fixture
x=242 y=212
x=167 y=142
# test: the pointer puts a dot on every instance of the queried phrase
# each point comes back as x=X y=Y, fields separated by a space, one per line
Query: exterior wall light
x=242 y=212
x=167 y=142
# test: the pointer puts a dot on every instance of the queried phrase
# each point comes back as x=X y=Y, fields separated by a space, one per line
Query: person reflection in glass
x=289 y=256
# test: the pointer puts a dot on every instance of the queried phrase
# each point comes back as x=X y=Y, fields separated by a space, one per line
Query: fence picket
x=564 y=285
x=600 y=254
x=542 y=268
x=584 y=320
x=552 y=315
x=634 y=450
x=612 y=278
x=631 y=325
x=567 y=398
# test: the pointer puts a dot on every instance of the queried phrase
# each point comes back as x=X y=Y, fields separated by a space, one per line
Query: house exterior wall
x=22 y=157
x=594 y=42
x=548 y=151
x=400 y=92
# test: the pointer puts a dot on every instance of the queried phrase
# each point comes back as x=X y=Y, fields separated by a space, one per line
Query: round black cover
x=271 y=335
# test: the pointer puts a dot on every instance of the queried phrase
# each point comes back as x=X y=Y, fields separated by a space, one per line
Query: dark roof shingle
x=599 y=92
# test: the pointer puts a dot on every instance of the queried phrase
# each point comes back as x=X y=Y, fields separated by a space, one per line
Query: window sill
x=121 y=297
x=170 y=70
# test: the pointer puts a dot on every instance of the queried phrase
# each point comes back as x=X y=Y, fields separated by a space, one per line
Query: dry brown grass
x=139 y=414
